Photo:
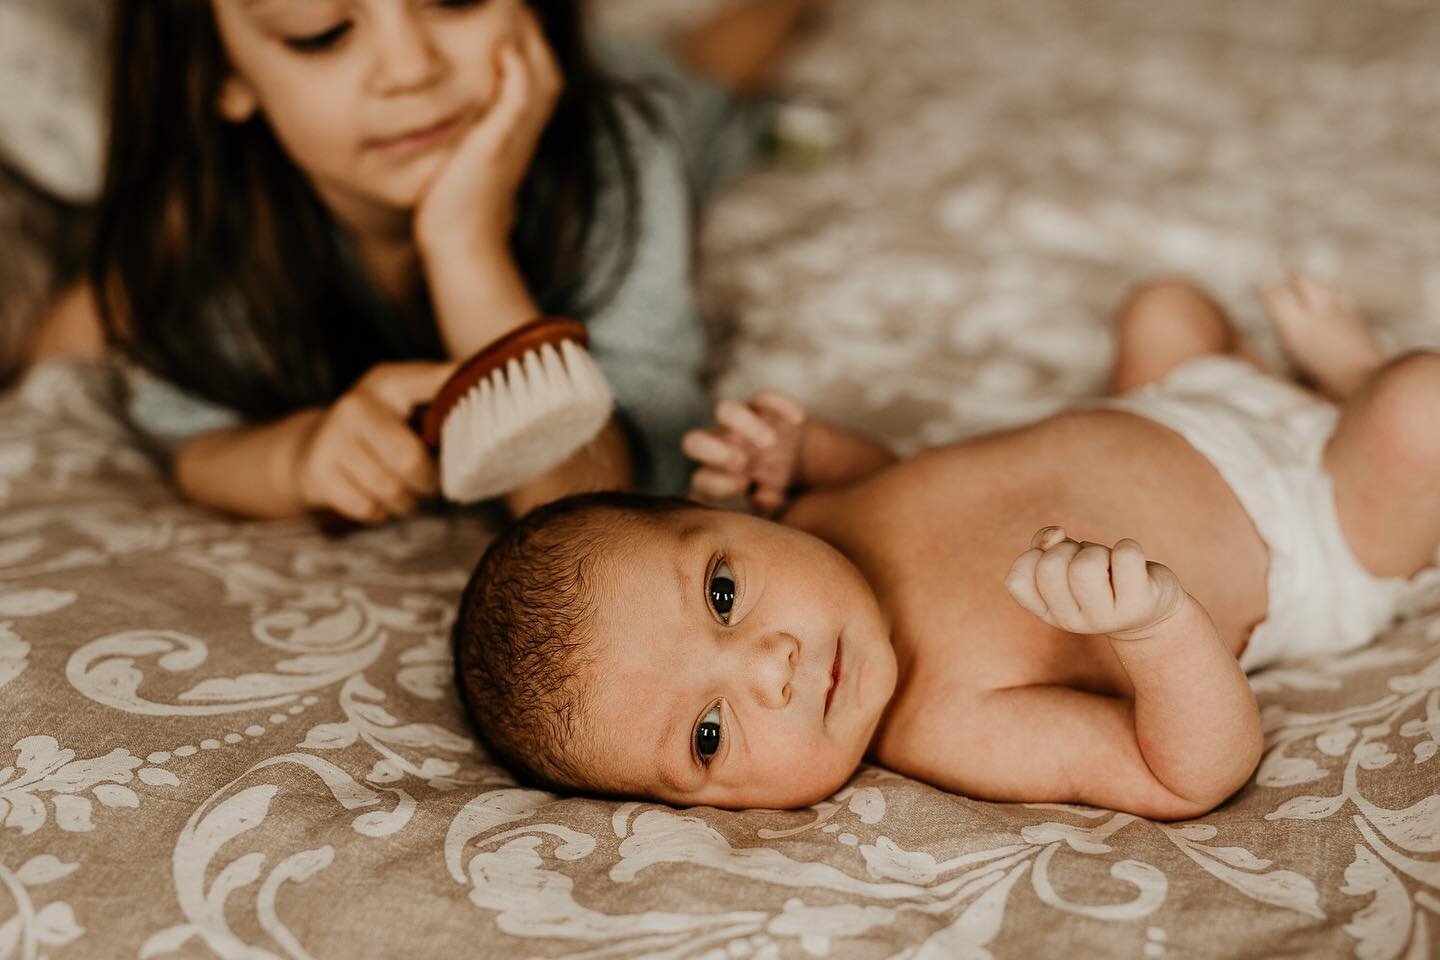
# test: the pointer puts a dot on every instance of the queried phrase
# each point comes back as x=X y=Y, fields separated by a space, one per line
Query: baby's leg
x=1322 y=335
x=1385 y=462
x=1161 y=325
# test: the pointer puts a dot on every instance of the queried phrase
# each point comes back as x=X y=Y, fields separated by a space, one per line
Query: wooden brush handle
x=518 y=342
x=427 y=418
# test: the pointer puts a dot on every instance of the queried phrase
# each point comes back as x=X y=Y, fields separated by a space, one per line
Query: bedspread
x=239 y=739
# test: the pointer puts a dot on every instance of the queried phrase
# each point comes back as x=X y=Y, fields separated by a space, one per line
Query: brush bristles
x=522 y=420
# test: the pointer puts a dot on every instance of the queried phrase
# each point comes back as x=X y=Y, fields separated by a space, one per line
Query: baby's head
x=647 y=647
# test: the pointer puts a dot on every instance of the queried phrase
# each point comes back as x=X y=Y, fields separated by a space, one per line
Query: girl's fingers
x=387 y=441
x=400 y=387
x=537 y=53
x=405 y=457
x=710 y=484
x=745 y=422
x=707 y=448
x=508 y=111
x=779 y=405
x=349 y=499
x=382 y=487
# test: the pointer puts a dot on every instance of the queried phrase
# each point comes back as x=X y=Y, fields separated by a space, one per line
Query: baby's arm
x=769 y=446
x=1192 y=735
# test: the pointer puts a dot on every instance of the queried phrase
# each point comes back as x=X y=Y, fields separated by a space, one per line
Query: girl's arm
x=464 y=222
x=463 y=229
x=250 y=471
x=358 y=457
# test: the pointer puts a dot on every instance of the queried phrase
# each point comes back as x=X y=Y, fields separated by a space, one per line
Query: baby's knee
x=1399 y=408
x=1175 y=311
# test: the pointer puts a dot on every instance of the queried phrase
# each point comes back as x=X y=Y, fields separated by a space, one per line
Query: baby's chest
x=979 y=639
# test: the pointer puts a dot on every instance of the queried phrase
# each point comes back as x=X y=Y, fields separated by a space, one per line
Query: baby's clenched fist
x=1087 y=588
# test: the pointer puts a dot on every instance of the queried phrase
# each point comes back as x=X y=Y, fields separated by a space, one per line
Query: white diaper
x=1267 y=437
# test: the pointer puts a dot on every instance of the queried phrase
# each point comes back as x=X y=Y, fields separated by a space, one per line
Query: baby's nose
x=771 y=668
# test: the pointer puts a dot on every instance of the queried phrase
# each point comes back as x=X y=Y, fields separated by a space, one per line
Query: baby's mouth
x=834 y=676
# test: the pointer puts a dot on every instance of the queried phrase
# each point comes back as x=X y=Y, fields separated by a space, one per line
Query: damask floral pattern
x=228 y=739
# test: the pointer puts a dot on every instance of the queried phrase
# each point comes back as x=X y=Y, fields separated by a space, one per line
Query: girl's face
x=737 y=663
x=368 y=97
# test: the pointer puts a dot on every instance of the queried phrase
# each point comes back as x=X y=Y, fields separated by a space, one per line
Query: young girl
x=310 y=205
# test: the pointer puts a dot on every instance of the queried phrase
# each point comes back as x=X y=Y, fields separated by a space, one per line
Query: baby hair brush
x=520 y=406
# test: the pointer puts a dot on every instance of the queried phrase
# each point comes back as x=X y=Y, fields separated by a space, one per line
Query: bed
x=234 y=739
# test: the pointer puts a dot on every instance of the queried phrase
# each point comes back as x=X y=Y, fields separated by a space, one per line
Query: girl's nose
x=770 y=668
x=405 y=58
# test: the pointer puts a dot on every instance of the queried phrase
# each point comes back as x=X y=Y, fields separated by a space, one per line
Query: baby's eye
x=707 y=735
x=721 y=590
x=316 y=42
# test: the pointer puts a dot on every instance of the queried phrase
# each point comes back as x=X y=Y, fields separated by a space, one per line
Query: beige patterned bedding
x=239 y=739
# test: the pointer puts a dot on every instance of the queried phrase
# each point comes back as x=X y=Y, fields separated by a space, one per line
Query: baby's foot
x=1322 y=334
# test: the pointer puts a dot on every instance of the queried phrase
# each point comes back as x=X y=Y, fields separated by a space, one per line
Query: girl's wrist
x=297 y=432
x=479 y=296
x=490 y=235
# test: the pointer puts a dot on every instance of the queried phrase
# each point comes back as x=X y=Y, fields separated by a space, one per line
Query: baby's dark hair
x=524 y=623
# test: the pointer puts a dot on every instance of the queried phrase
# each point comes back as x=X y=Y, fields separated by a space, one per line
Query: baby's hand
x=1087 y=588
x=754 y=450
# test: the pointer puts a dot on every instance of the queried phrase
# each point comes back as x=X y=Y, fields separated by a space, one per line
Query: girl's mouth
x=834 y=675
x=417 y=139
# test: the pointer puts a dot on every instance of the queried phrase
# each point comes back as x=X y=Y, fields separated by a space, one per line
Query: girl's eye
x=458 y=4
x=707 y=735
x=720 y=591
x=317 y=42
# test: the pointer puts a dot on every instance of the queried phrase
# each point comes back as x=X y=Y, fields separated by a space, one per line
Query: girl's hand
x=1087 y=588
x=754 y=450
x=362 y=460
x=472 y=200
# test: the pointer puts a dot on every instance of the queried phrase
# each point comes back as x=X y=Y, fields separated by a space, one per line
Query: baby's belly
x=1103 y=476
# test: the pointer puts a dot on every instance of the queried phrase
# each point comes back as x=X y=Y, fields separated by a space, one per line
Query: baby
x=982 y=616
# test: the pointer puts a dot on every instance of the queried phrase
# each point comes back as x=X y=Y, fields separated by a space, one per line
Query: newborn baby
x=1058 y=613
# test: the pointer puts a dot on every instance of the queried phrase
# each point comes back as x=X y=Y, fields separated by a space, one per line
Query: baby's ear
x=237 y=101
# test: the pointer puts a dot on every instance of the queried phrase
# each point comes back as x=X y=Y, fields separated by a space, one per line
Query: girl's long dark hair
x=217 y=266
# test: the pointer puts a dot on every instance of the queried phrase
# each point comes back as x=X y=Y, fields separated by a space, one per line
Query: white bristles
x=520 y=421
